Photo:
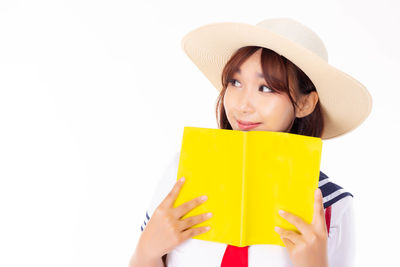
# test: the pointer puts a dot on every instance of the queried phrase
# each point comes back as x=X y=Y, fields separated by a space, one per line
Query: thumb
x=319 y=214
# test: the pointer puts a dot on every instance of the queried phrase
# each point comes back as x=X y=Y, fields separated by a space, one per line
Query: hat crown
x=297 y=33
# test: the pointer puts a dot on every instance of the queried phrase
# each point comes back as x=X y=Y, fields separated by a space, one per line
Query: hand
x=165 y=230
x=309 y=248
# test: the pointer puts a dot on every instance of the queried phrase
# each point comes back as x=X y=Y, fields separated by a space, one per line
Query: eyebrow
x=259 y=75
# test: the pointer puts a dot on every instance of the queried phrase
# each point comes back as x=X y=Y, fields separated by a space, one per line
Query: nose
x=245 y=103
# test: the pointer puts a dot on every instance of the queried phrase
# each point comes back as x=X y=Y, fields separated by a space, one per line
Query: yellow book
x=248 y=176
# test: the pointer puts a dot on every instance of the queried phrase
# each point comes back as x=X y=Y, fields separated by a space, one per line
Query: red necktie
x=238 y=256
x=235 y=257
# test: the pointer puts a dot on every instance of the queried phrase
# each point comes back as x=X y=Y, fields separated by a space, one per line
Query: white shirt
x=201 y=253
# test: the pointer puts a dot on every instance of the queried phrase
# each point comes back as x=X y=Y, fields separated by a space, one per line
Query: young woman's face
x=248 y=99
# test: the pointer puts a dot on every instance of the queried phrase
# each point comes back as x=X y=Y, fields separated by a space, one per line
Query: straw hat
x=344 y=101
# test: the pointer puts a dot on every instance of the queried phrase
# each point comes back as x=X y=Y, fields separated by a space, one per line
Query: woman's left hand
x=309 y=248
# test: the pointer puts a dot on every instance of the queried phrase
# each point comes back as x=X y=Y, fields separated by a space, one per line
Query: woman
x=273 y=76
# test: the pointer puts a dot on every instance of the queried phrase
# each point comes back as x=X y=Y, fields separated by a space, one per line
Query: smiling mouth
x=247 y=126
x=248 y=123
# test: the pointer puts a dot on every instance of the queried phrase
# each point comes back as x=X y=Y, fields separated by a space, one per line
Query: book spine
x=243 y=200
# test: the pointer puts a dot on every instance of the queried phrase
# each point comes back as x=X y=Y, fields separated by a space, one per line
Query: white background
x=94 y=96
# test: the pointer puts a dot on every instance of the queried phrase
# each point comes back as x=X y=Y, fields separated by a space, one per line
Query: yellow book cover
x=248 y=176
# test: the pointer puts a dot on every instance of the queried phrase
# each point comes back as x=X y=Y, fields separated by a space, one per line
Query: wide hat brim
x=344 y=101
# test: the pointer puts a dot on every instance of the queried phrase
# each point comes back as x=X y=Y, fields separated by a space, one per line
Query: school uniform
x=338 y=204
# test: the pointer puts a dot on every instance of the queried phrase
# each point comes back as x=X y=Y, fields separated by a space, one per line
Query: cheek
x=227 y=102
x=278 y=110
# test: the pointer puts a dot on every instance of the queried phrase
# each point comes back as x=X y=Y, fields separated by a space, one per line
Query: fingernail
x=208 y=228
x=182 y=179
x=318 y=192
x=281 y=212
x=208 y=215
x=277 y=228
x=203 y=198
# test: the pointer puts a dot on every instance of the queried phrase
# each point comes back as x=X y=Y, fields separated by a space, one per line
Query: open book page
x=211 y=162
x=281 y=172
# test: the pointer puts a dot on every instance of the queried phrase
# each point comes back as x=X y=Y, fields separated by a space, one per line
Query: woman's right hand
x=165 y=230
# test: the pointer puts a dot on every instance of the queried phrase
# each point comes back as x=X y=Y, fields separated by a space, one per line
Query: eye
x=267 y=88
x=234 y=82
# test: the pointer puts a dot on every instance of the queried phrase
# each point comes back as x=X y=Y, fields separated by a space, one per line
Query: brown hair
x=281 y=76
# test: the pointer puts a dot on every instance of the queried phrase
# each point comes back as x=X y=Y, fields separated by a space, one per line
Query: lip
x=246 y=125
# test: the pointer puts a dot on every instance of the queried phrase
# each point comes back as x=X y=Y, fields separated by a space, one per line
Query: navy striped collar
x=331 y=192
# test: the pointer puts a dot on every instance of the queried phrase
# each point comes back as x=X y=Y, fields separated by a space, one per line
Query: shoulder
x=342 y=231
x=164 y=186
x=331 y=192
x=165 y=182
x=339 y=199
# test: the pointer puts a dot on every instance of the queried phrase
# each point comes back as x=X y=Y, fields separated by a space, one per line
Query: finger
x=319 y=214
x=194 y=231
x=298 y=222
x=293 y=237
x=170 y=199
x=288 y=244
x=184 y=208
x=193 y=220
